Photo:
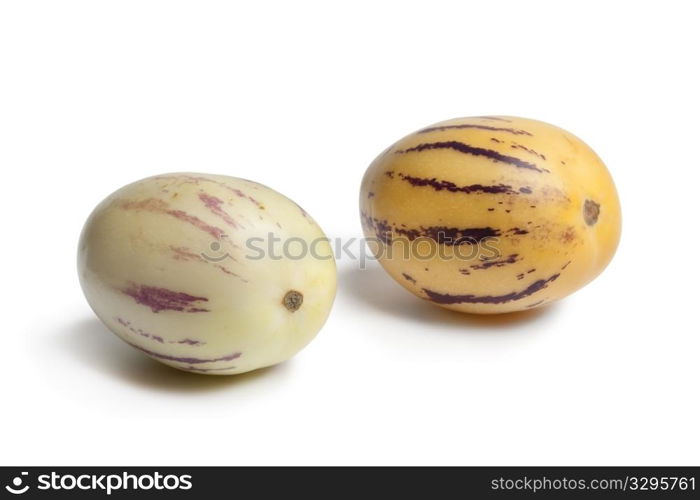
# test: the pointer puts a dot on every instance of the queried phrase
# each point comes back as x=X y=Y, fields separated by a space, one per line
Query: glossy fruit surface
x=177 y=266
x=490 y=214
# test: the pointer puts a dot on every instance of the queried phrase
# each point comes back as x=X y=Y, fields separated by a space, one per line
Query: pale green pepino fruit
x=178 y=266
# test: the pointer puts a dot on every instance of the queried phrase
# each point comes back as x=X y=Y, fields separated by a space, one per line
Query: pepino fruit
x=177 y=266
x=490 y=214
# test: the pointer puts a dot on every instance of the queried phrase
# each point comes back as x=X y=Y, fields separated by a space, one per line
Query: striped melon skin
x=165 y=265
x=516 y=212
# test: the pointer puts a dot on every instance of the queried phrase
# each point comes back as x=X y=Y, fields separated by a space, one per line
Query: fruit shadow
x=92 y=344
x=373 y=287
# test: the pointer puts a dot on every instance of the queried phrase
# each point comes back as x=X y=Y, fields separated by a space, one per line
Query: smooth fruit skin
x=523 y=212
x=168 y=264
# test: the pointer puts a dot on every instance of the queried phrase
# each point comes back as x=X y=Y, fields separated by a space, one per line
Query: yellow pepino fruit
x=490 y=214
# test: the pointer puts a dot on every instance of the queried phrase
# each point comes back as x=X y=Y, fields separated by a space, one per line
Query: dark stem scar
x=293 y=300
x=591 y=212
x=446 y=298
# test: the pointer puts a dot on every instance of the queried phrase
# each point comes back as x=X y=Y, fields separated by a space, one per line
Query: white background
x=301 y=96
